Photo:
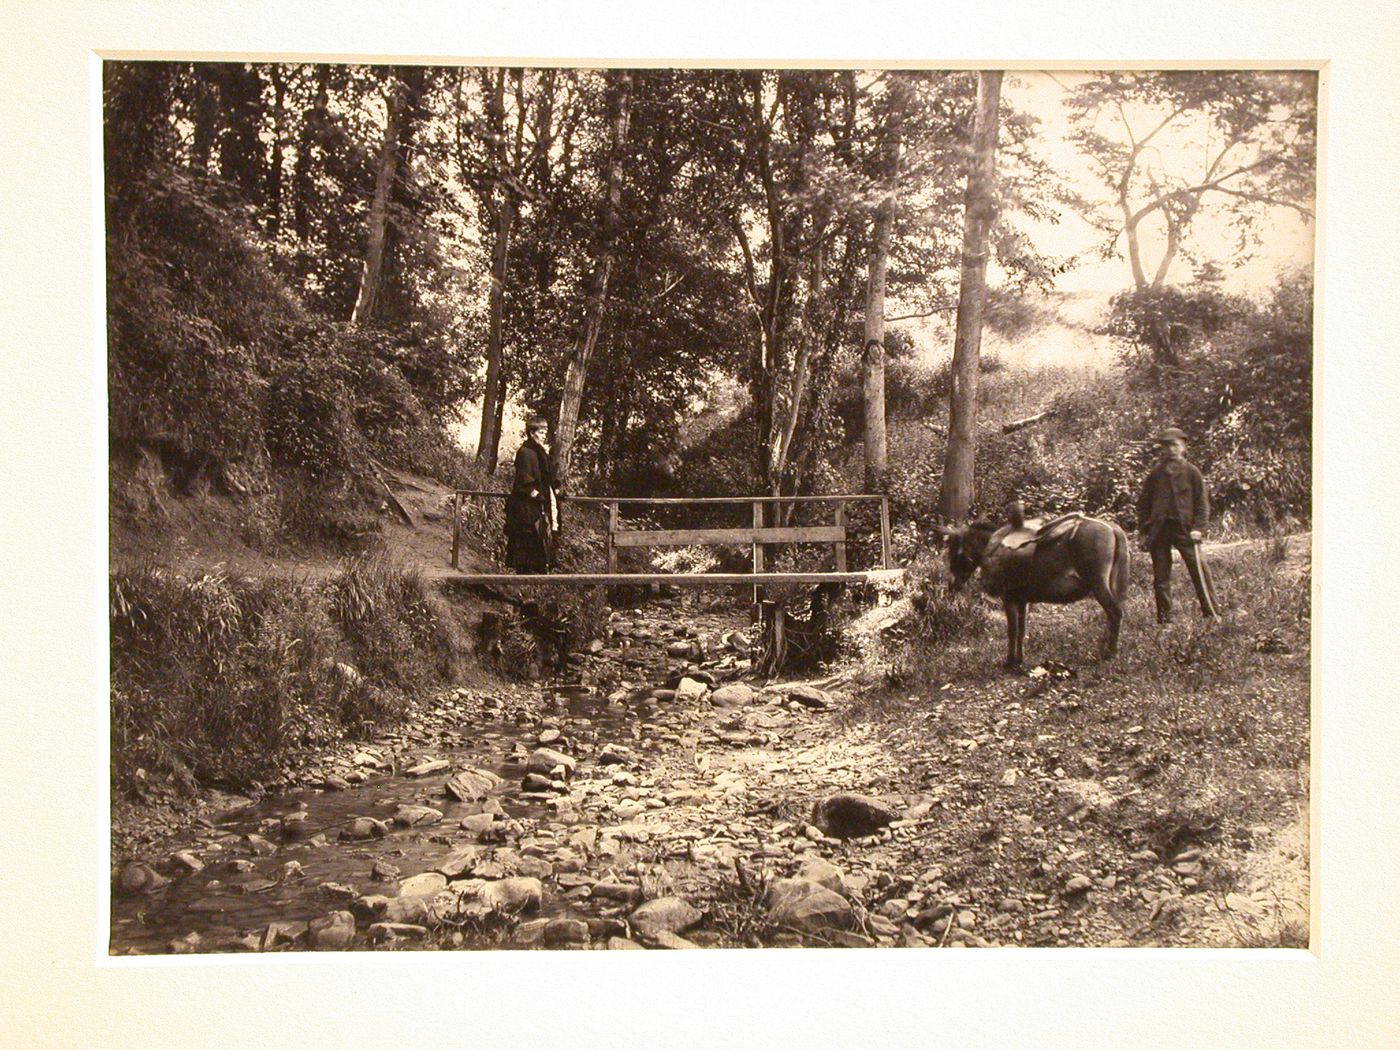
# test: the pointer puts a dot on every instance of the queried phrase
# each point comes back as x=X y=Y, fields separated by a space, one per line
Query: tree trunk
x=240 y=150
x=979 y=211
x=488 y=447
x=873 y=359
x=313 y=131
x=386 y=169
x=621 y=90
x=274 y=171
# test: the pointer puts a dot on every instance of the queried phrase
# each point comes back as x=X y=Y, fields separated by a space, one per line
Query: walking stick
x=1203 y=574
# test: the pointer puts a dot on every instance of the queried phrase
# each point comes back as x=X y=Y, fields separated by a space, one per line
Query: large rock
x=565 y=931
x=808 y=907
x=823 y=873
x=513 y=895
x=847 y=815
x=412 y=816
x=427 y=768
x=471 y=784
x=364 y=828
x=393 y=931
x=424 y=885
x=461 y=861
x=545 y=760
x=137 y=877
x=664 y=915
x=735 y=694
x=334 y=931
x=690 y=690
x=808 y=696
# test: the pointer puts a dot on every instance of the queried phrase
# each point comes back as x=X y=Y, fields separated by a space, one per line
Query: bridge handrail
x=758 y=535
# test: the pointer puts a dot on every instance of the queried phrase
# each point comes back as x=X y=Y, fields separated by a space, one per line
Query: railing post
x=612 y=529
x=884 y=532
x=456 y=526
x=757 y=546
x=841 y=544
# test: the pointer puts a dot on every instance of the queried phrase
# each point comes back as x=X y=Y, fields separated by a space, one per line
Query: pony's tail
x=1118 y=575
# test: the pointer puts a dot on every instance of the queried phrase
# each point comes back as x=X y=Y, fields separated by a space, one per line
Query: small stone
x=823 y=873
x=338 y=891
x=565 y=931
x=393 y=931
x=735 y=694
x=548 y=736
x=383 y=871
x=513 y=895
x=277 y=934
x=186 y=860
x=260 y=846
x=849 y=815
x=545 y=760
x=623 y=944
x=809 y=696
x=335 y=784
x=1078 y=884
x=478 y=823
x=1012 y=905
x=690 y=690
x=427 y=768
x=667 y=939
x=137 y=877
x=665 y=914
x=537 y=782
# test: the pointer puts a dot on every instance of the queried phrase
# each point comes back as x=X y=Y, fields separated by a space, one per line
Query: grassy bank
x=219 y=680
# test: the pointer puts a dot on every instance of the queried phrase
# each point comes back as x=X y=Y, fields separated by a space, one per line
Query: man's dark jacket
x=1173 y=491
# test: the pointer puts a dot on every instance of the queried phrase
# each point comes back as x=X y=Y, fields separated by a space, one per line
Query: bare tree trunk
x=980 y=210
x=873 y=359
x=371 y=275
x=313 y=130
x=274 y=171
x=621 y=90
x=488 y=447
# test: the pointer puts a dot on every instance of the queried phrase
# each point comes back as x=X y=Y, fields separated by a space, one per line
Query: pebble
x=1078 y=884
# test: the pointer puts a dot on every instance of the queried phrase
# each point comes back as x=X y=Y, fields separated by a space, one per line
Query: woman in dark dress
x=532 y=510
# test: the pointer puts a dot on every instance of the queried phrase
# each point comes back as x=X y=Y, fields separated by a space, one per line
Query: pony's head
x=966 y=545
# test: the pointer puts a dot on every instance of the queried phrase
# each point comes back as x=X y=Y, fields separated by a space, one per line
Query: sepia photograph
x=610 y=506
x=653 y=525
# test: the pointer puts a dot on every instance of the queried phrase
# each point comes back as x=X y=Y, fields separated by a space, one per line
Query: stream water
x=259 y=867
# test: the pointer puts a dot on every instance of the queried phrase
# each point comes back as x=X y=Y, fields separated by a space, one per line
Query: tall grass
x=219 y=680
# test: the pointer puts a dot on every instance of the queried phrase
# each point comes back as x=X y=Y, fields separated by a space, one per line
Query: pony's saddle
x=1024 y=537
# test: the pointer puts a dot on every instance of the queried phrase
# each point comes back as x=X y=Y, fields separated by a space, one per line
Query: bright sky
x=1286 y=239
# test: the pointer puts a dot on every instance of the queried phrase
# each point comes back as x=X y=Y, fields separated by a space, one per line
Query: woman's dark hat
x=1170 y=434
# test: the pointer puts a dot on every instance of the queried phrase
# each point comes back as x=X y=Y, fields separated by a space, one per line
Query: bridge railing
x=757 y=536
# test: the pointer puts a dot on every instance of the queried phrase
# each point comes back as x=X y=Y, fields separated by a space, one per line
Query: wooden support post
x=757 y=546
x=884 y=532
x=456 y=526
x=612 y=530
x=841 y=544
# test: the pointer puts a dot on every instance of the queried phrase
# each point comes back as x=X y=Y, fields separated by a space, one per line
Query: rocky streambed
x=655 y=799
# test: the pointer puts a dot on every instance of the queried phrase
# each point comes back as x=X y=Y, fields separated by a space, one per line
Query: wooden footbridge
x=757 y=536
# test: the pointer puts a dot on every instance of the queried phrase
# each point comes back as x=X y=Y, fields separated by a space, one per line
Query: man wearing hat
x=1173 y=511
x=532 y=509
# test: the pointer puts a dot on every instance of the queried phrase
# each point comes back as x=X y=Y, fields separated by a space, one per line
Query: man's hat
x=1170 y=434
x=537 y=421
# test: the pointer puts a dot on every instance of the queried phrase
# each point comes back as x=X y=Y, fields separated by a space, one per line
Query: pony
x=1064 y=560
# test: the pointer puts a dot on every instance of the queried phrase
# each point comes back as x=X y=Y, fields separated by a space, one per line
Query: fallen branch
x=1018 y=424
x=393 y=500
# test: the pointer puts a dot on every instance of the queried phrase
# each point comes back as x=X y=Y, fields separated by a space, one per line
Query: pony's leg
x=1112 y=608
x=1015 y=631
